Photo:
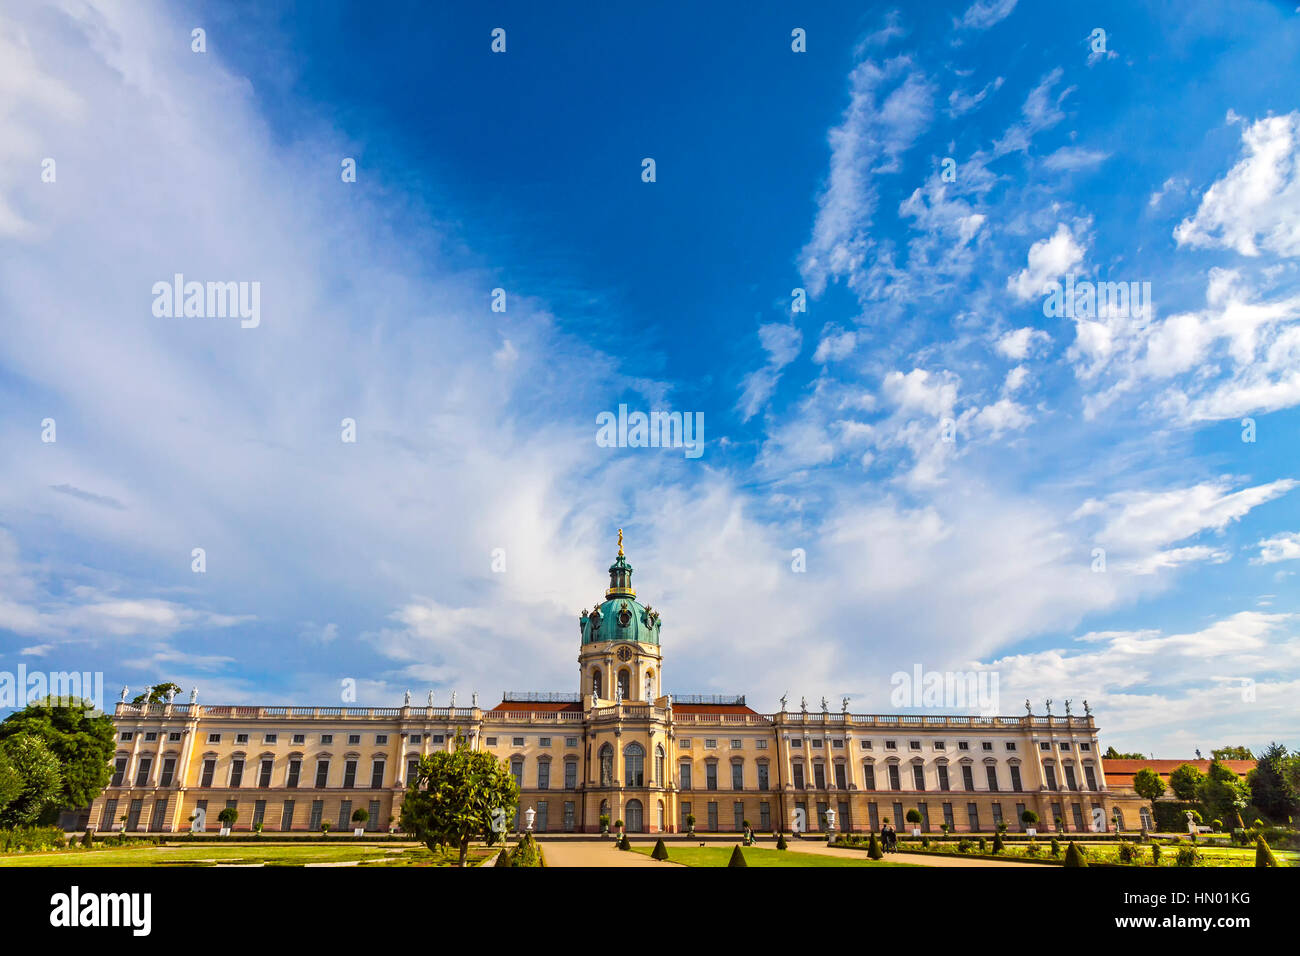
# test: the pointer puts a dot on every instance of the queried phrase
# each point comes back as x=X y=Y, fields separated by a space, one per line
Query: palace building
x=619 y=746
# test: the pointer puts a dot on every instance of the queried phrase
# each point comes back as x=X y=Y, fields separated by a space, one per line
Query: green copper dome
x=620 y=617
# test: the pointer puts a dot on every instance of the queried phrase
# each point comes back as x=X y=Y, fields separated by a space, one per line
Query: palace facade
x=620 y=746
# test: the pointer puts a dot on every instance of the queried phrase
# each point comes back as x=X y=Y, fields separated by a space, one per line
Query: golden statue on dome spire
x=620 y=542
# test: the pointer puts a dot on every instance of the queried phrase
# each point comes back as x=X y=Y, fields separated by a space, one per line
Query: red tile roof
x=712 y=709
x=1120 y=772
x=524 y=706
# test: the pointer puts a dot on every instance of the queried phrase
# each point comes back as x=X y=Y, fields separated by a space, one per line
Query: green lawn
x=243 y=853
x=757 y=856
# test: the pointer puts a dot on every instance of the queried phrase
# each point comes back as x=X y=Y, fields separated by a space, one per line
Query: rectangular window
x=349 y=773
x=760 y=744
x=126 y=735
x=491 y=741
x=345 y=815
x=209 y=769
x=1015 y=779
x=377 y=775
x=543 y=741
x=738 y=815
x=819 y=776
x=873 y=816
x=270 y=738
x=241 y=738
x=737 y=744
x=963 y=745
x=987 y=745
x=317 y=811
x=765 y=815
x=295 y=768
x=684 y=772
x=299 y=739
x=939 y=745
x=412 y=769
x=570 y=741
x=327 y=738
x=372 y=822
x=841 y=776
x=150 y=737
x=264 y=775
x=1011 y=745
x=1076 y=810
x=737 y=776
x=894 y=782
x=106 y=822
x=543 y=815
x=948 y=817
x=159 y=815
x=1065 y=745
x=713 y=815
x=973 y=817
x=322 y=774
x=898 y=821
x=214 y=738
x=918 y=777
x=354 y=738
x=711 y=776
x=684 y=743
x=119 y=772
x=1057 y=814
x=997 y=815
x=1020 y=816
x=797 y=771
x=1050 y=771
x=991 y=773
x=891 y=744
x=517 y=742
x=869 y=774
x=414 y=738
x=762 y=777
x=1085 y=748
x=817 y=743
x=1070 y=781
x=543 y=775
x=437 y=738
x=967 y=778
x=686 y=812
x=517 y=771
x=943 y=777
x=286 y=815
x=259 y=812
x=175 y=736
x=236 y=771
x=914 y=745
x=570 y=817
x=1090 y=777
x=381 y=739
x=570 y=774
x=133 y=815
x=710 y=744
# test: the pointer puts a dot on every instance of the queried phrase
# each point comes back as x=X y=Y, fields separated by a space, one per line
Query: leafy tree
x=1269 y=789
x=41 y=783
x=737 y=858
x=456 y=795
x=11 y=782
x=227 y=816
x=1232 y=753
x=157 y=694
x=1074 y=855
x=1185 y=781
x=360 y=815
x=1223 y=792
x=82 y=741
x=1148 y=785
x=1113 y=754
x=1029 y=818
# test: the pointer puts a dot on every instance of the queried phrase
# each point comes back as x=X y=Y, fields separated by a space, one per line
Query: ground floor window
x=259 y=812
x=159 y=815
x=570 y=823
x=948 y=817
x=873 y=816
x=286 y=815
x=973 y=817
x=106 y=822
x=543 y=814
x=317 y=811
x=373 y=822
x=345 y=815
x=686 y=812
x=713 y=815
x=738 y=815
x=765 y=816
x=1076 y=810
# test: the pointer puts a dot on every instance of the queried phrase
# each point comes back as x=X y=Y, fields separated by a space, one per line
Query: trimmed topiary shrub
x=624 y=843
x=983 y=845
x=1155 y=854
x=998 y=846
x=1263 y=853
x=1127 y=852
x=660 y=852
x=782 y=845
x=1188 y=856
x=873 y=849
x=1056 y=847
x=963 y=845
x=737 y=858
x=1074 y=855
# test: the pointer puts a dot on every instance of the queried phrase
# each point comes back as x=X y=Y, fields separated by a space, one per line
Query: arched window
x=595 y=682
x=625 y=683
x=606 y=761
x=634 y=765
x=659 y=765
x=635 y=820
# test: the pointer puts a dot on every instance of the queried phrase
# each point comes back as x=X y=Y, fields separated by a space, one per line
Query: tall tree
x=81 y=739
x=458 y=795
x=1223 y=793
x=1113 y=754
x=41 y=784
x=157 y=693
x=1232 y=753
x=1148 y=785
x=1185 y=781
x=1269 y=789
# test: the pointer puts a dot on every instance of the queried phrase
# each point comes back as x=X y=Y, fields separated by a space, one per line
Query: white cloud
x=1019 y=343
x=983 y=14
x=1257 y=204
x=835 y=345
x=1072 y=158
x=1280 y=547
x=1049 y=259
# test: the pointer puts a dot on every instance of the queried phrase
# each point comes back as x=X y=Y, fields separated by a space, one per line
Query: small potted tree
x=227 y=818
x=325 y=828
x=1030 y=820
x=359 y=816
x=748 y=835
x=1060 y=824
x=690 y=824
x=257 y=828
x=604 y=824
x=913 y=817
x=618 y=828
x=391 y=829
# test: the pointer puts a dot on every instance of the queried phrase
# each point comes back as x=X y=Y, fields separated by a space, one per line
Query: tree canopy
x=1269 y=788
x=157 y=693
x=1232 y=753
x=1113 y=754
x=458 y=795
x=40 y=783
x=1148 y=785
x=1185 y=781
x=81 y=739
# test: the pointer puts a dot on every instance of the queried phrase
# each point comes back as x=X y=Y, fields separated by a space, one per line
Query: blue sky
x=1169 y=155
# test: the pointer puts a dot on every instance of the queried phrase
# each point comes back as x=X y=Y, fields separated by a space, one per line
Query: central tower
x=619 y=657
